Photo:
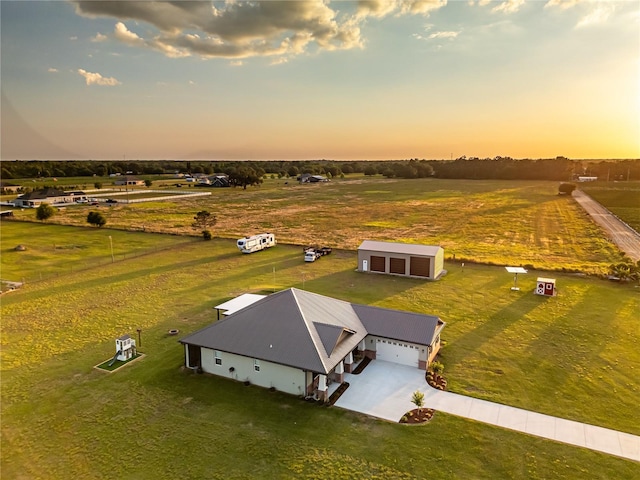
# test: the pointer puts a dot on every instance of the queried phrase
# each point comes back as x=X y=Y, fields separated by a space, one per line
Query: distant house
x=129 y=181
x=420 y=261
x=587 y=179
x=300 y=342
x=9 y=187
x=308 y=178
x=217 y=180
x=52 y=196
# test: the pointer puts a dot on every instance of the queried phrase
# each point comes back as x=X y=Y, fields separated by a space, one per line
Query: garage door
x=420 y=266
x=397 y=352
x=377 y=264
x=396 y=265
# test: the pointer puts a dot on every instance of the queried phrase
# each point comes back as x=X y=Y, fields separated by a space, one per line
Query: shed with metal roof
x=410 y=260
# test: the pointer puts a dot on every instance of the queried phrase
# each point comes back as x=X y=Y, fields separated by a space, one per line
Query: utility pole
x=111 y=243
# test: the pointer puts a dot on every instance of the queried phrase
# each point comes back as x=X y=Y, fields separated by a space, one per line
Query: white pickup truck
x=311 y=254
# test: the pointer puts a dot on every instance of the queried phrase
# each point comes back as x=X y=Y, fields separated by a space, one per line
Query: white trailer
x=256 y=242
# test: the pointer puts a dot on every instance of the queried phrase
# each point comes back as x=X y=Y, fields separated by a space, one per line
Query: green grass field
x=622 y=199
x=494 y=222
x=575 y=356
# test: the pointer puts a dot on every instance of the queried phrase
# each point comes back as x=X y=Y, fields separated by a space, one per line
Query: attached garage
x=397 y=352
x=411 y=260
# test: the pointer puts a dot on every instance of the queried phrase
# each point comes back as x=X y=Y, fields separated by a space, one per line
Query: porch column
x=340 y=372
x=361 y=345
x=322 y=388
x=186 y=355
x=348 y=363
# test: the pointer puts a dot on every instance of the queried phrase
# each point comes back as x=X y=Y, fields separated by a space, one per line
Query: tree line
x=243 y=173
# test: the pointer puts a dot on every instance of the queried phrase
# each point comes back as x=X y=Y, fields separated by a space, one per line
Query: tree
x=245 y=176
x=148 y=182
x=566 y=188
x=45 y=211
x=203 y=220
x=418 y=400
x=97 y=219
x=97 y=185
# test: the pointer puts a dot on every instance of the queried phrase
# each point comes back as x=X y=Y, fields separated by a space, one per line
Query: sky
x=294 y=80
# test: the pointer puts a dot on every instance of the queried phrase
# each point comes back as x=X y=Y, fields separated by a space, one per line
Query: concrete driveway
x=384 y=390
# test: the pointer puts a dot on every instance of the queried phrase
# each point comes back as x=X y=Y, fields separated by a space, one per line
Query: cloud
x=73 y=38
x=191 y=82
x=279 y=61
x=562 y=4
x=122 y=33
x=382 y=8
x=97 y=79
x=599 y=14
x=508 y=6
x=99 y=38
x=235 y=30
x=444 y=35
x=422 y=7
x=52 y=70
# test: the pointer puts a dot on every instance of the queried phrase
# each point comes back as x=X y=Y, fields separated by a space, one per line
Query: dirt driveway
x=625 y=237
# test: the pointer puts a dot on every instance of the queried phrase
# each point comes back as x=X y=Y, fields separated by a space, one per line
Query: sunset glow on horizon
x=370 y=80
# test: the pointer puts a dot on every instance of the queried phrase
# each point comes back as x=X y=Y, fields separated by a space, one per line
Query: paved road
x=625 y=237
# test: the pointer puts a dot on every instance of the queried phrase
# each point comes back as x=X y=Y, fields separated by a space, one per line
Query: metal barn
x=410 y=260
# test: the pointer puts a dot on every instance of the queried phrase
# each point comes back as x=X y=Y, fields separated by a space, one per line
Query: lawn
x=494 y=222
x=61 y=417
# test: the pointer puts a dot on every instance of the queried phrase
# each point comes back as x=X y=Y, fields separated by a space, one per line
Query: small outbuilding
x=410 y=260
x=546 y=287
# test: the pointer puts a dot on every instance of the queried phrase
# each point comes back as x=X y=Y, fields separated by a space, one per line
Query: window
x=218 y=358
x=256 y=365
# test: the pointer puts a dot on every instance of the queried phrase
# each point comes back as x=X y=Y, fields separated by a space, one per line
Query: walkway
x=625 y=237
x=384 y=390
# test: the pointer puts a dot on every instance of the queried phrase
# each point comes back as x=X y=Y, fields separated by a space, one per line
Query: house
x=308 y=178
x=52 y=196
x=420 y=261
x=129 y=181
x=9 y=187
x=299 y=342
x=217 y=180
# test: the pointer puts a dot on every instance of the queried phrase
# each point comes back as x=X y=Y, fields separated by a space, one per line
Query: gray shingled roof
x=308 y=331
x=405 y=248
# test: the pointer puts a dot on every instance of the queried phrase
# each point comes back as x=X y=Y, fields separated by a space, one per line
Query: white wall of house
x=285 y=379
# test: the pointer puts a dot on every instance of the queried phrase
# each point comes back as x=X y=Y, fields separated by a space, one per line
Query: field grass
x=495 y=222
x=622 y=199
x=575 y=356
x=54 y=251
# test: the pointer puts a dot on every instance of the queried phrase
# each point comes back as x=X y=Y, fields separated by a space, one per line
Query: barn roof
x=307 y=330
x=405 y=248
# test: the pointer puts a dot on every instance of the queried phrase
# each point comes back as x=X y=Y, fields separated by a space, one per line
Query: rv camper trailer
x=256 y=242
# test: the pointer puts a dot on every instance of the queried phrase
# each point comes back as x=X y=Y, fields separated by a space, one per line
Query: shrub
x=206 y=234
x=437 y=367
x=566 y=188
x=45 y=211
x=97 y=219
